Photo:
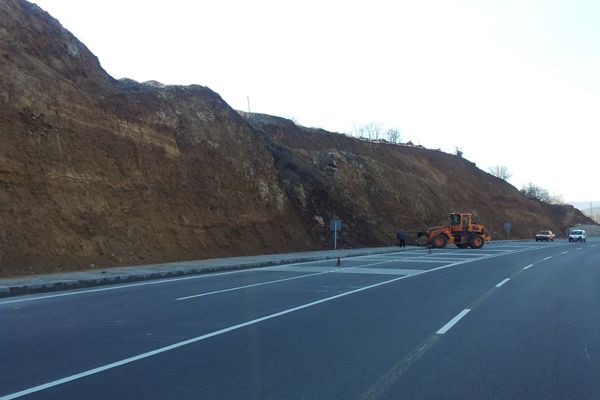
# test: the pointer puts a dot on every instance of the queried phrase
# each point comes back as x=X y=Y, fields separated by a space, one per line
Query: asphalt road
x=514 y=320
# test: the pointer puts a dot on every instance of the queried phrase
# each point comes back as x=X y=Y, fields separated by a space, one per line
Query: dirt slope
x=95 y=170
x=377 y=188
x=99 y=171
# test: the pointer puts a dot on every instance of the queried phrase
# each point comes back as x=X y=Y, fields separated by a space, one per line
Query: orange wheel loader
x=461 y=231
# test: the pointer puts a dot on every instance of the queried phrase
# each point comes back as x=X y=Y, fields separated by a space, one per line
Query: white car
x=577 y=236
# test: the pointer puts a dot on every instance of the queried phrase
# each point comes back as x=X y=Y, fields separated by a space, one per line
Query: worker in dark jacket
x=401 y=238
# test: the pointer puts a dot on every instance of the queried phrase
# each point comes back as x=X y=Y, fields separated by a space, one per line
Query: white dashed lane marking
x=453 y=321
x=503 y=282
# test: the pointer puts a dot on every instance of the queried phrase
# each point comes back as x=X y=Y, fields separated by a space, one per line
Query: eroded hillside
x=100 y=171
x=378 y=187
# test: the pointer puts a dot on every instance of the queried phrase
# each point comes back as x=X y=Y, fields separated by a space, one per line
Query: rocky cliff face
x=95 y=170
x=99 y=171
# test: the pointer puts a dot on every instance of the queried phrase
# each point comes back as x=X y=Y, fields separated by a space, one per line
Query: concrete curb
x=161 y=271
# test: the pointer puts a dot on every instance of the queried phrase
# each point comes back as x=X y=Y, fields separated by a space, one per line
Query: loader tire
x=476 y=242
x=439 y=242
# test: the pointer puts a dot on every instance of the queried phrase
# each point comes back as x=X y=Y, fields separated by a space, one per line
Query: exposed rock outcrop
x=96 y=170
x=376 y=187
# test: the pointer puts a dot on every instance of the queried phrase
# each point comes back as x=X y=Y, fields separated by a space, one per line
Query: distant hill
x=594 y=214
x=590 y=209
x=95 y=170
x=583 y=205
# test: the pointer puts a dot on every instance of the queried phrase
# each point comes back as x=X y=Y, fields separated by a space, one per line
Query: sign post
x=507 y=229
x=335 y=225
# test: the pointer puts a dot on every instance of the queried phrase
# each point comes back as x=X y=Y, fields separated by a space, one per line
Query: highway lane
x=338 y=348
x=537 y=338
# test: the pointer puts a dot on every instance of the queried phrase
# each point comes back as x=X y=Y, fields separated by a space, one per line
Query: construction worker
x=401 y=238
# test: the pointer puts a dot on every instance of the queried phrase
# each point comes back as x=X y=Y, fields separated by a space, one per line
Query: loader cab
x=455 y=220
x=460 y=222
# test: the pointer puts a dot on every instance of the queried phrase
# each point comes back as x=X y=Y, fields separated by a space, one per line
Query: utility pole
x=248 y=101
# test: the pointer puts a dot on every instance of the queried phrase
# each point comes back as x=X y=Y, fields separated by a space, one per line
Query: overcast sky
x=510 y=82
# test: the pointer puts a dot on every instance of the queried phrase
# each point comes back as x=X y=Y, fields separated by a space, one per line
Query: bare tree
x=534 y=191
x=557 y=198
x=500 y=171
x=393 y=135
x=373 y=130
x=356 y=130
x=370 y=131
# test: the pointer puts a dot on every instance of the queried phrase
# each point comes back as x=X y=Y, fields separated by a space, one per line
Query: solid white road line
x=249 y=286
x=503 y=282
x=51 y=296
x=329 y=271
x=452 y=322
x=529 y=266
x=422 y=261
x=380 y=271
x=445 y=259
x=490 y=250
